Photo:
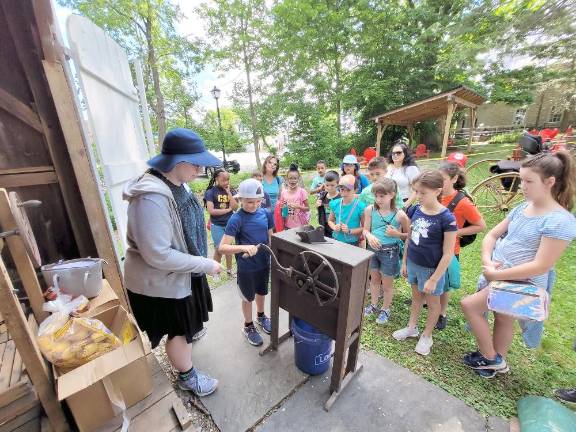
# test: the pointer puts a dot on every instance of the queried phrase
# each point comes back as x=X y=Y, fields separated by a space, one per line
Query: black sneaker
x=442 y=322
x=566 y=395
x=490 y=373
x=480 y=362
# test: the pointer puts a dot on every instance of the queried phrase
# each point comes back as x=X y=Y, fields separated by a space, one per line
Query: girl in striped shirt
x=524 y=246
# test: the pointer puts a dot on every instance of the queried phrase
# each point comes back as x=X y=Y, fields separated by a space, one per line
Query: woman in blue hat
x=166 y=261
x=351 y=166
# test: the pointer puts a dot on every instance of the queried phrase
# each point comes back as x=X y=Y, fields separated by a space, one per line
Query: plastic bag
x=69 y=342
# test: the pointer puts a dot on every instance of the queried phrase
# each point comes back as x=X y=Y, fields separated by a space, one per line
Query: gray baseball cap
x=250 y=188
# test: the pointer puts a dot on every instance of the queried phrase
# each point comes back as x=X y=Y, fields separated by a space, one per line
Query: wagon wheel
x=314 y=273
x=498 y=194
x=479 y=170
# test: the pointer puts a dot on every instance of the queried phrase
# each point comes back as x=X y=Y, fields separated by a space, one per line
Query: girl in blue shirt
x=385 y=227
x=429 y=250
x=523 y=247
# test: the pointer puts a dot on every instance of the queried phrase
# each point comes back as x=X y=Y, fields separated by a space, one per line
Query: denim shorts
x=217 y=232
x=386 y=260
x=419 y=275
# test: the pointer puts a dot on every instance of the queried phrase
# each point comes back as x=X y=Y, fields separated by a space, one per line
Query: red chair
x=533 y=132
x=369 y=153
x=422 y=151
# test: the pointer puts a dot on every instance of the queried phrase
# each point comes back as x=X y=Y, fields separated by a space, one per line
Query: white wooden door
x=113 y=110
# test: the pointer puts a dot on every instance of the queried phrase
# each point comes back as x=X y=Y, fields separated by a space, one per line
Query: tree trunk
x=337 y=68
x=160 y=110
x=251 y=105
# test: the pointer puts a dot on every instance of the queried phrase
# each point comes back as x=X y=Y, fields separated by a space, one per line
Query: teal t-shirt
x=367 y=197
x=349 y=214
x=316 y=182
x=379 y=225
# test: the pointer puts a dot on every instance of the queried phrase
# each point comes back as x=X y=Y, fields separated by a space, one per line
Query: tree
x=236 y=34
x=146 y=29
x=230 y=136
x=313 y=48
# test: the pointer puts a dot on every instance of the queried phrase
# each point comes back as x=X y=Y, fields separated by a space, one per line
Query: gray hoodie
x=157 y=260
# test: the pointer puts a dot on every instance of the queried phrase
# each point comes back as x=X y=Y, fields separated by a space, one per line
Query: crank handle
x=30 y=203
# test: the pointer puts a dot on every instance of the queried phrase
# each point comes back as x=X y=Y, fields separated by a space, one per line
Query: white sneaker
x=424 y=344
x=216 y=278
x=405 y=333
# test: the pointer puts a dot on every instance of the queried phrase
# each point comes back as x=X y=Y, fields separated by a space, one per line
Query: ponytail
x=212 y=180
x=453 y=169
x=559 y=165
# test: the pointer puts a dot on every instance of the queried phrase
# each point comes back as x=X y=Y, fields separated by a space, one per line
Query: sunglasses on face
x=397 y=153
x=345 y=187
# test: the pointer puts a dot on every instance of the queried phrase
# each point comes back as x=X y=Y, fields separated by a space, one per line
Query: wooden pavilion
x=439 y=107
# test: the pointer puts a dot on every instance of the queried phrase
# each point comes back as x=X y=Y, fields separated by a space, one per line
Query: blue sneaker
x=265 y=323
x=370 y=310
x=383 y=316
x=490 y=373
x=476 y=360
x=252 y=335
x=198 y=383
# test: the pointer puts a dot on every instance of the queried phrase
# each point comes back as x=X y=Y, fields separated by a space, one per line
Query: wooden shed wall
x=33 y=154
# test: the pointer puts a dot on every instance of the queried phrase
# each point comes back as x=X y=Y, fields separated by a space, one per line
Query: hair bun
x=293 y=167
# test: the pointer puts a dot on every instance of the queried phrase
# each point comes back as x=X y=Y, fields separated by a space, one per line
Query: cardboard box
x=105 y=300
x=90 y=388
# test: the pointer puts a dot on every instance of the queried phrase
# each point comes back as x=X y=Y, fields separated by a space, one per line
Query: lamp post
x=216 y=93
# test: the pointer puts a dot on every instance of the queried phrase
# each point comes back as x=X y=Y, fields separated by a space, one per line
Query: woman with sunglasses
x=403 y=170
x=347 y=213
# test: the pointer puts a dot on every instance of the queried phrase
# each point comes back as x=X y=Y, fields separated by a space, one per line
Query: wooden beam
x=472 y=118
x=449 y=114
x=464 y=102
x=380 y=130
x=420 y=102
x=27 y=179
x=87 y=182
x=410 y=135
x=28 y=348
x=21 y=259
x=29 y=55
x=19 y=109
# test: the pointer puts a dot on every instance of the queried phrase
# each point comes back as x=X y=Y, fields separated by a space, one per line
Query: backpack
x=467 y=239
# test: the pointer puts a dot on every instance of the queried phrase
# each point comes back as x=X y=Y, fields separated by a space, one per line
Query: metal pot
x=82 y=276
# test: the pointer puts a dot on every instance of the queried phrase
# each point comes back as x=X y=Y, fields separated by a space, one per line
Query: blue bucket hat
x=350 y=159
x=182 y=145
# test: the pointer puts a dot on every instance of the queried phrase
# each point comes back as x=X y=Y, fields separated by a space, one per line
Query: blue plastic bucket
x=312 y=349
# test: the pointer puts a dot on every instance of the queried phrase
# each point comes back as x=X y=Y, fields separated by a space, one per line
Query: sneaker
x=371 y=310
x=198 y=383
x=252 y=335
x=383 y=316
x=424 y=344
x=442 y=321
x=231 y=274
x=566 y=395
x=478 y=361
x=200 y=334
x=490 y=373
x=216 y=278
x=264 y=323
x=405 y=333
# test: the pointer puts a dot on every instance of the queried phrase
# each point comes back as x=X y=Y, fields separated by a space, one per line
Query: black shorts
x=252 y=283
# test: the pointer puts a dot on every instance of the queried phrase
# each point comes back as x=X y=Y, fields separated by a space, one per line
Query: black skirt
x=159 y=316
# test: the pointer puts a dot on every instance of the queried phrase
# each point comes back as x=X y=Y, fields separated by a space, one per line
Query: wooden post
x=87 y=182
x=410 y=135
x=27 y=346
x=472 y=117
x=449 y=114
x=380 y=132
x=21 y=259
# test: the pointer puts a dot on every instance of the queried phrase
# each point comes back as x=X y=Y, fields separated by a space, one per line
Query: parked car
x=231 y=166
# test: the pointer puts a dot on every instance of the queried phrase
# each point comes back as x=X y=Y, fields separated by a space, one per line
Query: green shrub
x=511 y=137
